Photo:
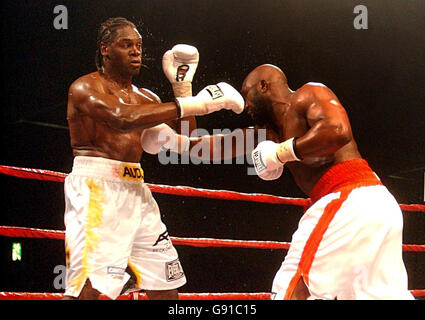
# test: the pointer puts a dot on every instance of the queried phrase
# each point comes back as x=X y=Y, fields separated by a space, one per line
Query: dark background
x=378 y=75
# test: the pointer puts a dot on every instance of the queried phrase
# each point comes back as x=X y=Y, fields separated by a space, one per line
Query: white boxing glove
x=210 y=99
x=272 y=174
x=266 y=164
x=179 y=65
x=270 y=157
x=163 y=137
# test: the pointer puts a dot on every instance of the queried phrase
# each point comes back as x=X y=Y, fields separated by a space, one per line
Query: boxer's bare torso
x=91 y=134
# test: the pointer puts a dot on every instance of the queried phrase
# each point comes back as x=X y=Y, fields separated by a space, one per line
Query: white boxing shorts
x=112 y=221
x=348 y=244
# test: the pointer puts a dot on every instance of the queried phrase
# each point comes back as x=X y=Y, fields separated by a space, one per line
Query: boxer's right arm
x=117 y=114
x=210 y=99
x=122 y=116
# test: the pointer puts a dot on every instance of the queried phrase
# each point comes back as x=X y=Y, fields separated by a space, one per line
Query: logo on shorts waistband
x=133 y=173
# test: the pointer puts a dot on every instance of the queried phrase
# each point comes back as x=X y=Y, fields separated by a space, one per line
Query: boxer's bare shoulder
x=313 y=93
x=92 y=80
x=315 y=102
x=82 y=87
x=152 y=96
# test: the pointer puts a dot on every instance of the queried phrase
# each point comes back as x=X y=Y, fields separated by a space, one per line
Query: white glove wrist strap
x=182 y=89
x=189 y=106
x=285 y=151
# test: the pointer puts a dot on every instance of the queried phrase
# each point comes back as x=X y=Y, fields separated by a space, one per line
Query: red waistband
x=349 y=174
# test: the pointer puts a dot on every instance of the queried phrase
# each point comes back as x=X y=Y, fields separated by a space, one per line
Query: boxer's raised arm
x=179 y=65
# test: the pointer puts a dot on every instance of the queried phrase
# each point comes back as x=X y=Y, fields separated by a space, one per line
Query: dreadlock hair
x=107 y=33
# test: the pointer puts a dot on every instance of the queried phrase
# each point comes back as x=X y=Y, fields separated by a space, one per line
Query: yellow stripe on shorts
x=94 y=219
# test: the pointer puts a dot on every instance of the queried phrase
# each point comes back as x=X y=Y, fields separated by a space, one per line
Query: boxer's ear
x=263 y=86
x=103 y=49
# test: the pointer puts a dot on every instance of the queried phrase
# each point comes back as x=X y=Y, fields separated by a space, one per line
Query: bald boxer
x=111 y=218
x=348 y=244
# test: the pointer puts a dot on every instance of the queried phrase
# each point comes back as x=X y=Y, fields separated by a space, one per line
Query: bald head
x=264 y=88
x=266 y=72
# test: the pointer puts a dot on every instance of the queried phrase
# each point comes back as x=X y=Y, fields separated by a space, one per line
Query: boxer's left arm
x=329 y=126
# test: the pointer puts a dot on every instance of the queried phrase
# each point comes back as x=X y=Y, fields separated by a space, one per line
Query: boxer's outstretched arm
x=86 y=99
x=329 y=126
x=180 y=125
x=177 y=124
x=209 y=147
x=224 y=146
x=119 y=115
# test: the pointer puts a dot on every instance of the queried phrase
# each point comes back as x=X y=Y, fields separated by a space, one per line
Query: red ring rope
x=47 y=175
x=195 y=242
